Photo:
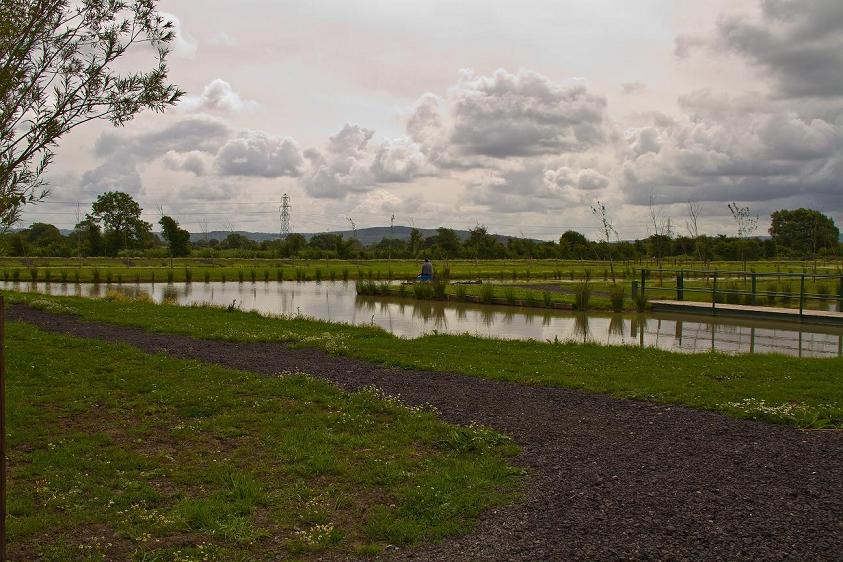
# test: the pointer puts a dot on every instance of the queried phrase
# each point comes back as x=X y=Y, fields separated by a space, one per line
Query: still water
x=338 y=302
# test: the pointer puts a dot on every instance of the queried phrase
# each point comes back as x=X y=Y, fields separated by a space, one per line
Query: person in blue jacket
x=426 y=271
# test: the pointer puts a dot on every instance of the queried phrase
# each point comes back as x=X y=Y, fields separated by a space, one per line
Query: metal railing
x=741 y=287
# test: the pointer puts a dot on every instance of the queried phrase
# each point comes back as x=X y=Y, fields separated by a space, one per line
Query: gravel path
x=608 y=478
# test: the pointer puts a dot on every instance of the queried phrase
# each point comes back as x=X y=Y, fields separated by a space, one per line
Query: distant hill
x=366 y=236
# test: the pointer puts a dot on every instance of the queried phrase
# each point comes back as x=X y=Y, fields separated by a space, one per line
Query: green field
x=232 y=269
x=119 y=455
x=800 y=392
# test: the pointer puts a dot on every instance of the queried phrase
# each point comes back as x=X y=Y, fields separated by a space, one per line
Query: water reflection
x=337 y=301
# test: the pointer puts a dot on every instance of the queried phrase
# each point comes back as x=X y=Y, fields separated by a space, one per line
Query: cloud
x=118 y=173
x=257 y=154
x=343 y=167
x=183 y=45
x=632 y=88
x=726 y=156
x=524 y=114
x=195 y=161
x=797 y=43
x=199 y=132
x=219 y=97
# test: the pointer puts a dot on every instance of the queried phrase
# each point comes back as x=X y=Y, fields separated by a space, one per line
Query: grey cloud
x=257 y=154
x=194 y=161
x=118 y=173
x=524 y=114
x=193 y=133
x=798 y=43
x=754 y=157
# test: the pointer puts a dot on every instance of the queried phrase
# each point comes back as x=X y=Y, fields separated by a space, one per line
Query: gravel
x=607 y=478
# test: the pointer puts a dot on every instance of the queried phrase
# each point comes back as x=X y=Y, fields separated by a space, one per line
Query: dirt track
x=608 y=478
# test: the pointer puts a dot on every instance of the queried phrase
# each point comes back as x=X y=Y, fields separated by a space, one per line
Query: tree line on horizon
x=114 y=228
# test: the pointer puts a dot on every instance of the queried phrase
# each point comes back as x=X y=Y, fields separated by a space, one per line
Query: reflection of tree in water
x=581 y=329
x=508 y=316
x=171 y=295
x=487 y=317
x=364 y=304
x=546 y=319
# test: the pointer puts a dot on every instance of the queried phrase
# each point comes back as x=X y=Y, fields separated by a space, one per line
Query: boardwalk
x=747 y=311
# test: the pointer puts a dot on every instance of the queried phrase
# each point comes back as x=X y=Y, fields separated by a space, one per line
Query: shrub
x=279 y=275
x=63 y=276
x=206 y=277
x=318 y=274
x=188 y=275
x=33 y=274
x=617 y=295
x=16 y=275
x=108 y=277
x=76 y=276
x=47 y=275
x=582 y=295
x=170 y=276
x=240 y=276
x=95 y=275
x=119 y=278
x=345 y=274
x=333 y=275
x=253 y=275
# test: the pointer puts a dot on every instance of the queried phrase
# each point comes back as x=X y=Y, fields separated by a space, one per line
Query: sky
x=519 y=116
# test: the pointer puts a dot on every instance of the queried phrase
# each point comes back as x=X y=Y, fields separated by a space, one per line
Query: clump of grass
x=402 y=290
x=52 y=307
x=16 y=275
x=188 y=275
x=423 y=291
x=461 y=292
x=617 y=294
x=153 y=278
x=63 y=276
x=95 y=276
x=222 y=276
x=279 y=275
x=33 y=274
x=333 y=275
x=732 y=293
x=253 y=275
x=240 y=276
x=787 y=294
x=446 y=271
x=509 y=295
x=547 y=299
x=6 y=275
x=318 y=274
x=76 y=276
x=170 y=276
x=582 y=295
x=487 y=293
x=266 y=276
x=47 y=275
x=439 y=286
x=530 y=299
x=119 y=278
x=345 y=274
x=108 y=277
x=383 y=288
x=206 y=277
x=300 y=276
x=365 y=287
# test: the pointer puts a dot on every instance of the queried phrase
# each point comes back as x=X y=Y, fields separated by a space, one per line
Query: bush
x=318 y=274
x=170 y=276
x=253 y=275
x=63 y=276
x=582 y=295
x=240 y=276
x=47 y=275
x=95 y=275
x=266 y=276
x=33 y=274
x=345 y=274
x=207 y=276
x=279 y=275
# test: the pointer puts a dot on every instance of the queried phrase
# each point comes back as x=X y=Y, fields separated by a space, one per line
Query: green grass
x=797 y=391
x=233 y=269
x=115 y=454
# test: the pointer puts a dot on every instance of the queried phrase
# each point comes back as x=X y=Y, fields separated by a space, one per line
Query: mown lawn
x=796 y=391
x=119 y=455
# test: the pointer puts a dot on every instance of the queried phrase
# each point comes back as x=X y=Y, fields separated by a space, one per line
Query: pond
x=338 y=302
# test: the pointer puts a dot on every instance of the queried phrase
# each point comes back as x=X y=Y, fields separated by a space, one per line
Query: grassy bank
x=119 y=455
x=801 y=392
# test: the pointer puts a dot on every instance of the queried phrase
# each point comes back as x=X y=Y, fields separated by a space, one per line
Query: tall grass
x=461 y=292
x=487 y=293
x=582 y=295
x=617 y=294
x=547 y=299
x=509 y=295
